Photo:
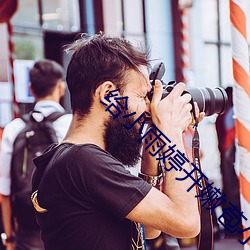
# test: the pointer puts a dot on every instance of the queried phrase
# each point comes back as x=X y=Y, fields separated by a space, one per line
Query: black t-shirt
x=88 y=194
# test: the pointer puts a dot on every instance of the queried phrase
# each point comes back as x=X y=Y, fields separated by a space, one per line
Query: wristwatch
x=152 y=180
x=6 y=239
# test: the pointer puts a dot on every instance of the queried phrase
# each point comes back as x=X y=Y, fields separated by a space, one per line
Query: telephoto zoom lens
x=210 y=101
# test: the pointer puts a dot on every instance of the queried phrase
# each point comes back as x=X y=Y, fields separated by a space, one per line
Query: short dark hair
x=44 y=76
x=97 y=59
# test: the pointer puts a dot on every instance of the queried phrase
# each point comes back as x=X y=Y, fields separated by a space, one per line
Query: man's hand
x=172 y=114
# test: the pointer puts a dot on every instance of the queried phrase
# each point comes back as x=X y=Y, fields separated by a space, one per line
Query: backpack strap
x=54 y=116
x=51 y=118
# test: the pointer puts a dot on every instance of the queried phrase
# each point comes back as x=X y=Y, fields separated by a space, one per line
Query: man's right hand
x=172 y=114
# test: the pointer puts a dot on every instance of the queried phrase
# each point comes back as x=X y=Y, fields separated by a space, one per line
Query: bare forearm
x=184 y=203
x=149 y=166
x=176 y=190
x=7 y=215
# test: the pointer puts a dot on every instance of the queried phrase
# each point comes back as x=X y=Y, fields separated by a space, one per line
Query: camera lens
x=210 y=101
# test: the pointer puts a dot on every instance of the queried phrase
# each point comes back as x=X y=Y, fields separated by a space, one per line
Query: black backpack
x=37 y=135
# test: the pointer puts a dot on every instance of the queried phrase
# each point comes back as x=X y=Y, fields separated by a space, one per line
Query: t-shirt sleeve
x=108 y=184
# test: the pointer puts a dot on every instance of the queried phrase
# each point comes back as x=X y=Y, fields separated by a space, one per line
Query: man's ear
x=103 y=91
x=31 y=90
x=62 y=88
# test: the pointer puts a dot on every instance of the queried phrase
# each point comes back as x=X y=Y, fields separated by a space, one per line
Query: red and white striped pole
x=241 y=95
x=185 y=55
x=185 y=62
x=15 y=106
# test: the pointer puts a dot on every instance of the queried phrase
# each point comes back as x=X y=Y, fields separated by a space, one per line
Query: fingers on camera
x=186 y=98
x=157 y=92
x=177 y=90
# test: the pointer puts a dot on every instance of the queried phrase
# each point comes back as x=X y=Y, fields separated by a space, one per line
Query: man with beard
x=83 y=195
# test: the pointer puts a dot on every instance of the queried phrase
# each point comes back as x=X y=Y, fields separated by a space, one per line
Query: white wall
x=160 y=34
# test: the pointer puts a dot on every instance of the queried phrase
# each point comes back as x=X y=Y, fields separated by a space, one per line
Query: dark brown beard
x=122 y=143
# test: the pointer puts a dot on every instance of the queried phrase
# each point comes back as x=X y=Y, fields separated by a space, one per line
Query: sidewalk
x=222 y=244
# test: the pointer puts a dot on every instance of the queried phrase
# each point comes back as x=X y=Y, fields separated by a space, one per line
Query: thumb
x=157 y=93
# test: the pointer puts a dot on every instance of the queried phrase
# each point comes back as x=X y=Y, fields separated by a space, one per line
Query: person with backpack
x=23 y=139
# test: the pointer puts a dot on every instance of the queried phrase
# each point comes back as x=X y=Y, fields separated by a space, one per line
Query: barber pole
x=15 y=106
x=241 y=98
x=185 y=60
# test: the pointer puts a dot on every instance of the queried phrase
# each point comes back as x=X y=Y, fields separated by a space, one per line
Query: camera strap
x=205 y=238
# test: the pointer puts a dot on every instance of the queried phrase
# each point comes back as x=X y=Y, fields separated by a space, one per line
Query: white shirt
x=11 y=131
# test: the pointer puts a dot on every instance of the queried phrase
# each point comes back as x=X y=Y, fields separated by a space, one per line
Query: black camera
x=210 y=101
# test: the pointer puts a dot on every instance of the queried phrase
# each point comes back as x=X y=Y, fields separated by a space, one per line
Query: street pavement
x=222 y=244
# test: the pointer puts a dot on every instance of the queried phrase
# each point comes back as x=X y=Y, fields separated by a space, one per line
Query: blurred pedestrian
x=47 y=85
x=225 y=126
